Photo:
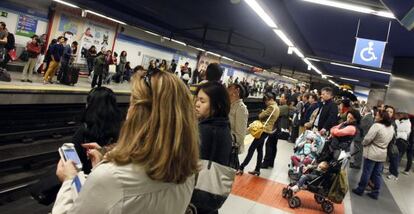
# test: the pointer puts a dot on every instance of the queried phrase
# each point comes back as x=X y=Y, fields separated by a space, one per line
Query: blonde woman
x=151 y=168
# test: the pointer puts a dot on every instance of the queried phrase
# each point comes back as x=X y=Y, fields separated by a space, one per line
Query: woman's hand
x=93 y=152
x=66 y=170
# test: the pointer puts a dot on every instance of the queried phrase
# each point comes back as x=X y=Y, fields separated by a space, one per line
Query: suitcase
x=70 y=77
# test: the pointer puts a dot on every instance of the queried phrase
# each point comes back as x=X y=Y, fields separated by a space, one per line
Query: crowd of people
x=144 y=161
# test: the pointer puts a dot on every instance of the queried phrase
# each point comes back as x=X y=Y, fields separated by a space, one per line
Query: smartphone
x=68 y=152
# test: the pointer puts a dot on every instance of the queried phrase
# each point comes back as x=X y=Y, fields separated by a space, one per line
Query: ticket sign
x=369 y=52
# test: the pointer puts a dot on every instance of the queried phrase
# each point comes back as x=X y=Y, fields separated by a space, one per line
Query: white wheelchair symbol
x=369 y=51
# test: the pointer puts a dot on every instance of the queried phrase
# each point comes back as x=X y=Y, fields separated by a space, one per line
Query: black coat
x=215 y=132
x=328 y=115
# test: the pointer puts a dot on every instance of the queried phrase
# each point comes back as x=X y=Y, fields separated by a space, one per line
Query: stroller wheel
x=191 y=209
x=294 y=202
x=284 y=192
x=289 y=193
x=327 y=207
x=319 y=198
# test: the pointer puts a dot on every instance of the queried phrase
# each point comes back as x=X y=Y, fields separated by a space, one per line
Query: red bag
x=13 y=54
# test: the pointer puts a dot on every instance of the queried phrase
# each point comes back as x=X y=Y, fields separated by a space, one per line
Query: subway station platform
x=262 y=195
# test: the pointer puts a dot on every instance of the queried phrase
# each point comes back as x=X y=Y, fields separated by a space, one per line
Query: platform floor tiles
x=254 y=195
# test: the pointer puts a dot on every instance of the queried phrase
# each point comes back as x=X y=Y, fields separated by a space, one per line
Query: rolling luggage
x=70 y=77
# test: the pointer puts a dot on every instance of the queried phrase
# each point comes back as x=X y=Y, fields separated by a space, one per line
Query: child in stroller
x=307 y=147
x=327 y=181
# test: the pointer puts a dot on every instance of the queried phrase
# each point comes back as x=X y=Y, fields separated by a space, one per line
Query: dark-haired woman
x=212 y=110
x=343 y=134
x=121 y=65
x=375 y=153
x=101 y=123
x=90 y=58
x=238 y=113
x=270 y=114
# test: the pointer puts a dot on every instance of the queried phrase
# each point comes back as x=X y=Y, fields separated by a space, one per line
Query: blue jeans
x=371 y=170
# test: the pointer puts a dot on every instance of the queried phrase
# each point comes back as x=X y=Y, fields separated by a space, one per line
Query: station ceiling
x=231 y=28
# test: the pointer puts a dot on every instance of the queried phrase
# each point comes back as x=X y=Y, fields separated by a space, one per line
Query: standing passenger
x=56 y=52
x=238 y=114
x=151 y=169
x=33 y=49
x=270 y=114
x=90 y=58
x=212 y=110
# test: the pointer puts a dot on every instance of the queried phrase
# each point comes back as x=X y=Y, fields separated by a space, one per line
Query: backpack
x=4 y=75
x=10 y=41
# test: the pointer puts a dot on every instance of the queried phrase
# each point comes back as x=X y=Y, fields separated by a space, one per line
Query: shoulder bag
x=256 y=128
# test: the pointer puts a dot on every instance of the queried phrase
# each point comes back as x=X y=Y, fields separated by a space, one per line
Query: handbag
x=234 y=156
x=214 y=183
x=112 y=69
x=392 y=149
x=256 y=128
x=13 y=55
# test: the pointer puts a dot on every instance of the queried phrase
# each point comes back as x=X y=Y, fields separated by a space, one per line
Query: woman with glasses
x=151 y=168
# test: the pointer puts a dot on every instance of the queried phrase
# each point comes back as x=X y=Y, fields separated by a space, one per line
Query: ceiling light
x=106 y=17
x=226 y=58
x=66 y=3
x=353 y=80
x=355 y=67
x=309 y=68
x=344 y=65
x=149 y=32
x=290 y=50
x=283 y=37
x=261 y=13
x=376 y=71
x=324 y=77
x=328 y=75
x=307 y=62
x=353 y=7
x=200 y=49
x=218 y=55
x=178 y=42
x=313 y=59
x=298 y=53
x=332 y=82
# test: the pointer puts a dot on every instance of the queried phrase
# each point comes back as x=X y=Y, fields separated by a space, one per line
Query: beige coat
x=124 y=189
x=376 y=142
x=238 y=117
x=264 y=115
x=312 y=119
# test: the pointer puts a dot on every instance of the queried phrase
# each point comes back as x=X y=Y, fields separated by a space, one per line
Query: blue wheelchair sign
x=369 y=52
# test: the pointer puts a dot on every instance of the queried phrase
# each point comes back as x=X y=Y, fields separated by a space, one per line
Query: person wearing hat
x=56 y=52
x=239 y=114
x=403 y=124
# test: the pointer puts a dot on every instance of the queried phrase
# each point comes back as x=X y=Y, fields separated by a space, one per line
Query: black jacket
x=215 y=132
x=328 y=115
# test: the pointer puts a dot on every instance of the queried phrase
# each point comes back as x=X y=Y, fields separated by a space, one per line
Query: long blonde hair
x=160 y=132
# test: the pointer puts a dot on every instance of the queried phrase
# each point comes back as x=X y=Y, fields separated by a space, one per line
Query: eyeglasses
x=147 y=77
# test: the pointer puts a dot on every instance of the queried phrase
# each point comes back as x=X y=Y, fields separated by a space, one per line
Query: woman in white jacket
x=151 y=168
x=403 y=132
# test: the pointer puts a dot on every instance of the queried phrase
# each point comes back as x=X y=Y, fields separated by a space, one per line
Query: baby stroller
x=294 y=173
x=328 y=188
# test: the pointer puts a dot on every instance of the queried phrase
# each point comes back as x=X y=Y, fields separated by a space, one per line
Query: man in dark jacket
x=56 y=52
x=327 y=116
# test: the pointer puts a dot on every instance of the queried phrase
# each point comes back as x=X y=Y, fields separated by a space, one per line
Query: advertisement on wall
x=86 y=33
x=205 y=60
x=26 y=26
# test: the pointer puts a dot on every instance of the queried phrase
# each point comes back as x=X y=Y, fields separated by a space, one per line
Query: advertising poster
x=85 y=32
x=26 y=26
x=96 y=35
x=205 y=60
